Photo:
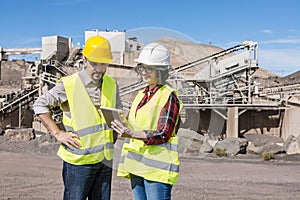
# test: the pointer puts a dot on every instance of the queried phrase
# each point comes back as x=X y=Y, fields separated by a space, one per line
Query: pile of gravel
x=44 y=144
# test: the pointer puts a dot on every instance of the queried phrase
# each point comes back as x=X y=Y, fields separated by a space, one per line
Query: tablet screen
x=110 y=114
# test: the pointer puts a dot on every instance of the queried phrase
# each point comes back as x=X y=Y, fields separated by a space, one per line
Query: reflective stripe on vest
x=95 y=138
x=92 y=150
x=88 y=130
x=152 y=162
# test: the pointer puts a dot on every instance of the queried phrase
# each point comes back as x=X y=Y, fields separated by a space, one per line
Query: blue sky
x=274 y=24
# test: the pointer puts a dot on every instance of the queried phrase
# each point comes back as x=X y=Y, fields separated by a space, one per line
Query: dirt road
x=37 y=176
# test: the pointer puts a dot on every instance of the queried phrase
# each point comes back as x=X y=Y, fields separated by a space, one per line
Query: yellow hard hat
x=97 y=49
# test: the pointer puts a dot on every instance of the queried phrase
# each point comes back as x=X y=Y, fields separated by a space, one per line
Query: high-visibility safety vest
x=158 y=163
x=96 y=138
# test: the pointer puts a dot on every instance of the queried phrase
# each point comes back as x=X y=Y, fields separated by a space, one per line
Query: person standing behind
x=149 y=154
x=86 y=143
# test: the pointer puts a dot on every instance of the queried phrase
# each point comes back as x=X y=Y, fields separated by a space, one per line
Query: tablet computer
x=110 y=114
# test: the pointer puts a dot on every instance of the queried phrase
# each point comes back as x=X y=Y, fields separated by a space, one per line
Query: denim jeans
x=92 y=181
x=149 y=190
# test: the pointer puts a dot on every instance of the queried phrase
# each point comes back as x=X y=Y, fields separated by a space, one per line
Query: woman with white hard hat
x=149 y=155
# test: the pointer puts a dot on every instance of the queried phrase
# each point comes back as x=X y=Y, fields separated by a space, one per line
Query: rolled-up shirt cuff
x=150 y=138
x=41 y=110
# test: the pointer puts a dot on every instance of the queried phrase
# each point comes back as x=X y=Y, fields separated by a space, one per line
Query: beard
x=97 y=76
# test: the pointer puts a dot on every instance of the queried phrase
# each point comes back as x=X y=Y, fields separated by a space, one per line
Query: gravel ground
x=31 y=170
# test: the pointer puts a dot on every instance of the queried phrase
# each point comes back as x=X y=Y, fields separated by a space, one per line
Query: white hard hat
x=154 y=54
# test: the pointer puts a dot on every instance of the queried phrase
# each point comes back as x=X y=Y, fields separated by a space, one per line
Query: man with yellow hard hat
x=86 y=143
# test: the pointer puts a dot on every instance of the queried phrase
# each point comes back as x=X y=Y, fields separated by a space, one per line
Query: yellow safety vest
x=153 y=162
x=96 y=138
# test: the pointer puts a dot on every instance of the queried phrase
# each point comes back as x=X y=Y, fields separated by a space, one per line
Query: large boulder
x=190 y=141
x=260 y=144
x=19 y=134
x=292 y=145
x=268 y=147
x=233 y=146
x=260 y=139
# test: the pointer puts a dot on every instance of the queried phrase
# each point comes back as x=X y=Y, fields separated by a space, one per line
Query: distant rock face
x=183 y=52
x=25 y=134
x=13 y=71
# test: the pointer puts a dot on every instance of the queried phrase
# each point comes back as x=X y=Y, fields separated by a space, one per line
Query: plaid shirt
x=167 y=119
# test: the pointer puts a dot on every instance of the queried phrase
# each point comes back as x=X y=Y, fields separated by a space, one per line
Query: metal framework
x=223 y=80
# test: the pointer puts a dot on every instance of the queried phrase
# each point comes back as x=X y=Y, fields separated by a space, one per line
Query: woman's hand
x=121 y=129
x=124 y=131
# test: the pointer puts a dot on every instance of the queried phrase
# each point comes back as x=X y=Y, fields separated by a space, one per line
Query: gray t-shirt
x=57 y=95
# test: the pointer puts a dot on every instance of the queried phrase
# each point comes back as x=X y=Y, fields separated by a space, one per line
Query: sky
x=273 y=24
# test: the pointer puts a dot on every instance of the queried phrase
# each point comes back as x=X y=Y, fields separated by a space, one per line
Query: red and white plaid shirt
x=167 y=119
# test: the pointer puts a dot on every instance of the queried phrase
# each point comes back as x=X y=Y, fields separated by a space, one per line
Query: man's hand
x=71 y=140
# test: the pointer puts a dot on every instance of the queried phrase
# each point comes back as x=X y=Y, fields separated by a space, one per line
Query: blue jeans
x=149 y=190
x=92 y=181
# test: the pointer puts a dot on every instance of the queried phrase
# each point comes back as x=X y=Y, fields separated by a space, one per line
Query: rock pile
x=192 y=143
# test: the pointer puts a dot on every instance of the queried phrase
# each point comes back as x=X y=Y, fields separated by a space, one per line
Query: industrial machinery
x=218 y=84
x=56 y=56
x=220 y=92
x=223 y=79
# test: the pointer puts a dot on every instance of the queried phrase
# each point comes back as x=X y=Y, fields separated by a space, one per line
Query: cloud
x=267 y=31
x=280 y=60
x=28 y=42
x=293 y=31
x=282 y=41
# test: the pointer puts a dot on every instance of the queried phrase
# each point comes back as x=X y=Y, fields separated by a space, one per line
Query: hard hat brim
x=100 y=60
x=150 y=63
